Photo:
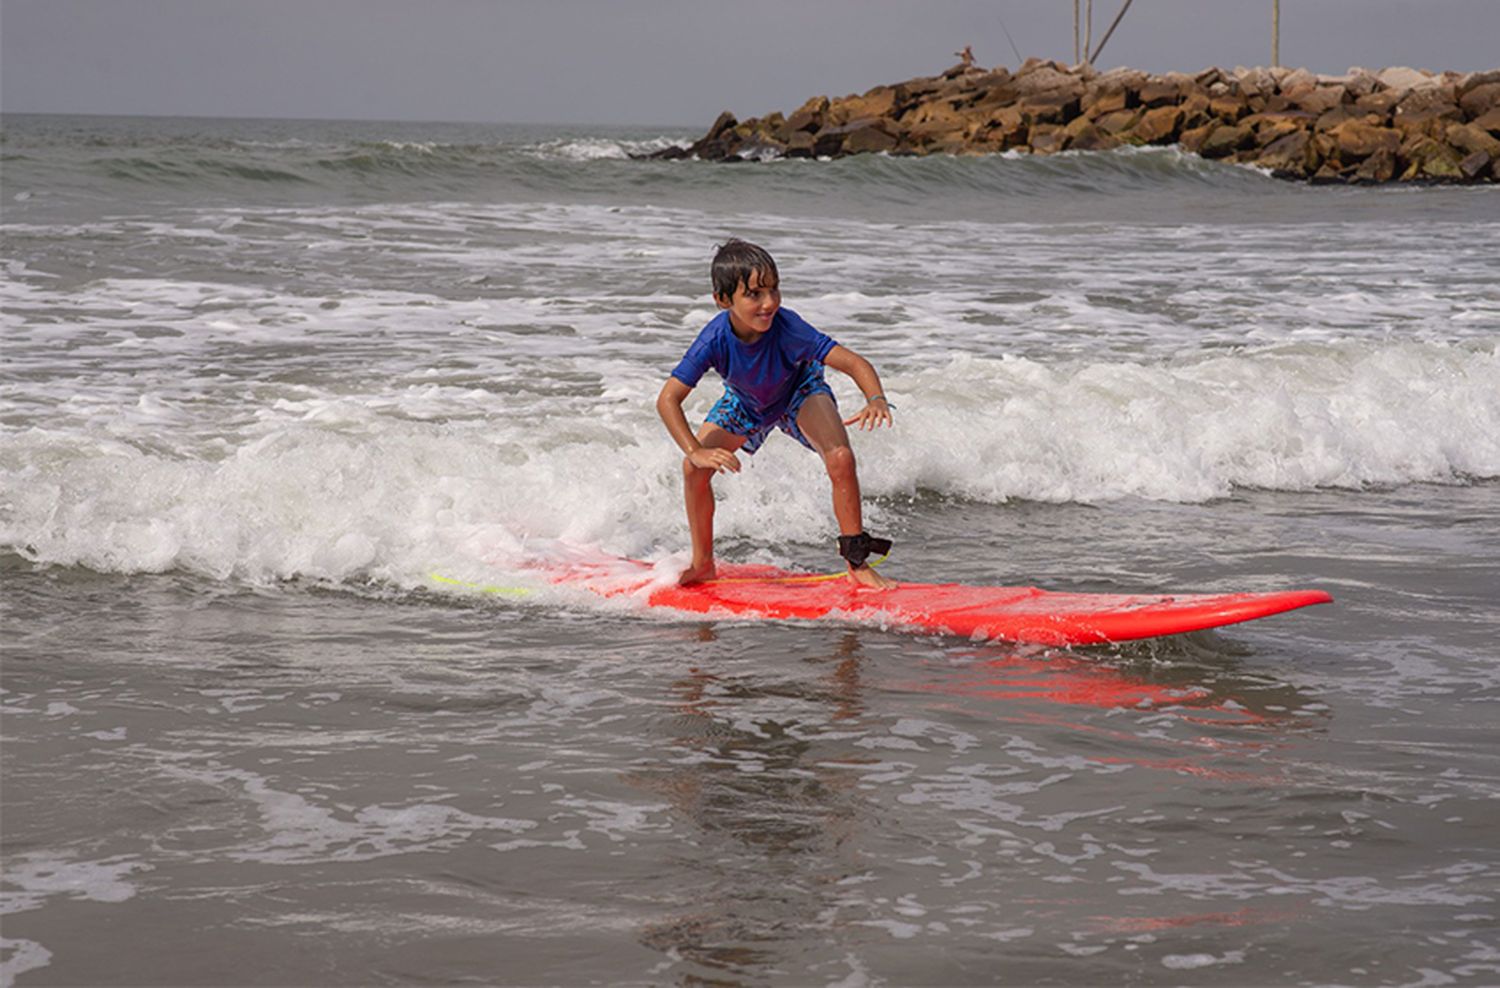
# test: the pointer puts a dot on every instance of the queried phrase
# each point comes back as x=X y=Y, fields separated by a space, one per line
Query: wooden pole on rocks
x=1110 y=33
x=1275 y=33
x=1088 y=32
x=1077 y=52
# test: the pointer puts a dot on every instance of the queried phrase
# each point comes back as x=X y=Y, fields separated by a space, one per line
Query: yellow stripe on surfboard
x=481 y=587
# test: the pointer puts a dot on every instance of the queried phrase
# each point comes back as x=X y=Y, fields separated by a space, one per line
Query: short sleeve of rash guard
x=803 y=341
x=699 y=357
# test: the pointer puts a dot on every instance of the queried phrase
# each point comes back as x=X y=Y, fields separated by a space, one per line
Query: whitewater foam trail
x=380 y=487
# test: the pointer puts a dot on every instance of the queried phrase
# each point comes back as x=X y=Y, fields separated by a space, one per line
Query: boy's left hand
x=875 y=414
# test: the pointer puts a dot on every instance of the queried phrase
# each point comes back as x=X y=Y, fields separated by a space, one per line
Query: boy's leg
x=819 y=421
x=697 y=486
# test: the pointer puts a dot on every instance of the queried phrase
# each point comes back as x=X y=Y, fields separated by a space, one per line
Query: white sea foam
x=394 y=484
x=359 y=417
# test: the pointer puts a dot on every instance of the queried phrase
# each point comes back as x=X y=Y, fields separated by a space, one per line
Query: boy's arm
x=877 y=410
x=669 y=407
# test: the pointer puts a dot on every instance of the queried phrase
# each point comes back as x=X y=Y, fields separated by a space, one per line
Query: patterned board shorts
x=731 y=415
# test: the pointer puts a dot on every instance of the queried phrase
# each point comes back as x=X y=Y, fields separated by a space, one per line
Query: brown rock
x=810 y=116
x=1330 y=172
x=867 y=138
x=1378 y=167
x=829 y=141
x=1047 y=138
x=914 y=91
x=1470 y=138
x=800 y=145
x=1297 y=79
x=1195 y=111
x=1382 y=102
x=993 y=92
x=1208 y=77
x=1357 y=82
x=878 y=102
x=1271 y=127
x=1057 y=106
x=1254 y=82
x=1228 y=108
x=723 y=125
x=1290 y=156
x=1356 y=140
x=1479 y=100
x=1475 y=165
x=1430 y=159
x=1009 y=124
x=1092 y=138
x=1401 y=78
x=1226 y=139
x=1193 y=140
x=1107 y=95
x=1490 y=121
x=1339 y=114
x=1473 y=79
x=1160 y=92
x=1118 y=122
x=1429 y=102
x=937 y=117
x=1158 y=126
x=1047 y=81
x=1318 y=99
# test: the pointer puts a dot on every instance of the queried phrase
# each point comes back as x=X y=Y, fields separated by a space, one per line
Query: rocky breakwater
x=1365 y=126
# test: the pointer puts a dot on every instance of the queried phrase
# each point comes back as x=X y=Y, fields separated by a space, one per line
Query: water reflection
x=771 y=816
x=788 y=777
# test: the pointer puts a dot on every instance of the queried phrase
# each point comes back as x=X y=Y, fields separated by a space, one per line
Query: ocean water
x=263 y=379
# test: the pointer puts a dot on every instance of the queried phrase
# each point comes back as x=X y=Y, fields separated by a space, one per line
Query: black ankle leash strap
x=857 y=548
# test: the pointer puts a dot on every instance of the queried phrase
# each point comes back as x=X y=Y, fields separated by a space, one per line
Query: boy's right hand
x=715 y=459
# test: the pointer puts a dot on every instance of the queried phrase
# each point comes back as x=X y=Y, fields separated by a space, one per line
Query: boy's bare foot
x=697 y=574
x=865 y=576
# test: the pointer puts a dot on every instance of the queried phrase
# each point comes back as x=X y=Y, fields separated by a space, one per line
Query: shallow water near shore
x=264 y=378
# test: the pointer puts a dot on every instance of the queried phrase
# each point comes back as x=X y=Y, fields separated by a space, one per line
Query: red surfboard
x=1018 y=614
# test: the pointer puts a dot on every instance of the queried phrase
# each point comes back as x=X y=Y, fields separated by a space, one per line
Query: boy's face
x=753 y=305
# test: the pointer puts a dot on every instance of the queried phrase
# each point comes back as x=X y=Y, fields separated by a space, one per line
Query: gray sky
x=659 y=62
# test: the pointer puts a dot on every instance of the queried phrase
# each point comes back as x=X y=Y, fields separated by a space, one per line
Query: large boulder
x=1290 y=156
x=810 y=116
x=1271 y=127
x=1470 y=138
x=1226 y=139
x=1355 y=140
x=1377 y=168
x=1317 y=99
x=1431 y=160
x=868 y=136
x=1479 y=100
x=1489 y=122
x=1400 y=77
x=878 y=102
x=1050 y=83
x=1228 y=108
x=1194 y=139
x=1118 y=122
x=1158 y=126
x=1161 y=92
x=1476 y=165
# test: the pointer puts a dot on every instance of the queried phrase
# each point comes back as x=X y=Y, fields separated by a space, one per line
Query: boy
x=772 y=365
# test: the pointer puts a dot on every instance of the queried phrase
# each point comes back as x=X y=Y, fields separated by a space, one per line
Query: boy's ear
x=725 y=301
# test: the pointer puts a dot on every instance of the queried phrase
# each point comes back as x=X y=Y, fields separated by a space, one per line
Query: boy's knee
x=692 y=472
x=839 y=460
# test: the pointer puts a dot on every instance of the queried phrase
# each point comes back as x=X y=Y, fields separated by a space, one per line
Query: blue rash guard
x=764 y=376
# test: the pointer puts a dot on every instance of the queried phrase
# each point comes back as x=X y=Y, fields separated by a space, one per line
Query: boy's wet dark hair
x=735 y=261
